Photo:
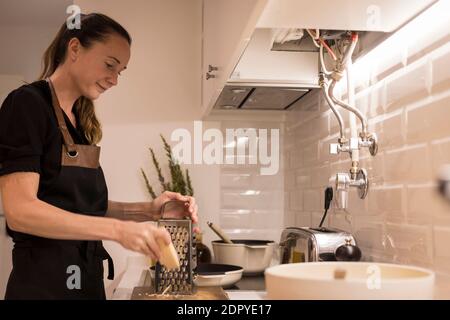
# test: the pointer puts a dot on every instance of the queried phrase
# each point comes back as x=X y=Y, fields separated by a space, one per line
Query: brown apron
x=40 y=265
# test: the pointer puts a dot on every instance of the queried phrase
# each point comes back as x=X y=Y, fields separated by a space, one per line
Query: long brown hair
x=94 y=27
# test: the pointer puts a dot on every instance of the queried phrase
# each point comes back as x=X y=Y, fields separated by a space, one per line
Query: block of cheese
x=169 y=256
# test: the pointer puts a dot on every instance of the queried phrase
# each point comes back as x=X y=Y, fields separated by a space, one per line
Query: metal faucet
x=344 y=181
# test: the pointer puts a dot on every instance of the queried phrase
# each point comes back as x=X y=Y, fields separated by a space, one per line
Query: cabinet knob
x=209 y=76
x=212 y=68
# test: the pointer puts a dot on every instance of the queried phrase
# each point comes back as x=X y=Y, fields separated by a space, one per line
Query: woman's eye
x=110 y=66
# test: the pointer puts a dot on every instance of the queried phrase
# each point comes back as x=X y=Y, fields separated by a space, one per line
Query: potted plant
x=180 y=182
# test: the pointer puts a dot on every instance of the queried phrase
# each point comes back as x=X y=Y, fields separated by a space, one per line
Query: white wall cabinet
x=227 y=28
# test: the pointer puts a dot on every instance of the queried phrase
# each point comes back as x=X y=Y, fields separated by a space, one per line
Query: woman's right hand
x=142 y=237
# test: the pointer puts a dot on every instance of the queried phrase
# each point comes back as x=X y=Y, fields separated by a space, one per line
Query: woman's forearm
x=39 y=218
x=135 y=211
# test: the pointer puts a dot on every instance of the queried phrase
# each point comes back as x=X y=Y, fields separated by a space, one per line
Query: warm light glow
x=423 y=27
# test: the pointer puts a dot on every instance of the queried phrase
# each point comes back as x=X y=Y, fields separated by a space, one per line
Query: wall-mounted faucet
x=345 y=180
x=356 y=177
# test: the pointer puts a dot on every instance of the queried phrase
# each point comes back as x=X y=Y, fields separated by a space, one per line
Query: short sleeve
x=23 y=125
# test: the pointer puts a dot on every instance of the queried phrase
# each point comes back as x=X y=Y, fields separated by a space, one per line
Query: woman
x=54 y=192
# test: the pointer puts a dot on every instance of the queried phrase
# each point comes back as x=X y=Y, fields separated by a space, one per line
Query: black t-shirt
x=30 y=140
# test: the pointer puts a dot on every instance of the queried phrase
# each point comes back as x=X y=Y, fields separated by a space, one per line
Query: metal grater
x=178 y=281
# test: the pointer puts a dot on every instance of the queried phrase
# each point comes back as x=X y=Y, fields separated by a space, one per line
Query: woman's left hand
x=191 y=208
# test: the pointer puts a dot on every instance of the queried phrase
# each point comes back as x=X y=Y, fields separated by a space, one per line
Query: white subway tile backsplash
x=411 y=85
x=369 y=234
x=441 y=242
x=289 y=217
x=428 y=122
x=440 y=154
x=233 y=219
x=289 y=179
x=237 y=180
x=424 y=44
x=267 y=182
x=374 y=166
x=311 y=199
x=296 y=200
x=386 y=200
x=411 y=243
x=310 y=154
x=407 y=165
x=296 y=158
x=403 y=219
x=393 y=131
x=303 y=178
x=262 y=218
x=356 y=205
x=377 y=99
x=337 y=219
x=302 y=219
x=441 y=66
x=391 y=62
x=419 y=204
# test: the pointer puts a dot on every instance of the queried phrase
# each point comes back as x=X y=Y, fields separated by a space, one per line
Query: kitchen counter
x=248 y=288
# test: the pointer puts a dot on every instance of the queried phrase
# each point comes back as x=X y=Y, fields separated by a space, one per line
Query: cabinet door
x=227 y=28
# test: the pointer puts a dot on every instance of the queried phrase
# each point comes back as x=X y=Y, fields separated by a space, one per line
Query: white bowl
x=348 y=280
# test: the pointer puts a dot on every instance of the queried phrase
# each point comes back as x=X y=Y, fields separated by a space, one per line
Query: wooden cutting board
x=200 y=293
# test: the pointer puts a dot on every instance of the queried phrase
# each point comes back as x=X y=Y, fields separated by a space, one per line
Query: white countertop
x=135 y=276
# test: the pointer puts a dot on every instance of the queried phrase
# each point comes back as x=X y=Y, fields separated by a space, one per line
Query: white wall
x=22 y=49
x=26 y=29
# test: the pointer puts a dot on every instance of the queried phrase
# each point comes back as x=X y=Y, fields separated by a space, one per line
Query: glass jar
x=203 y=252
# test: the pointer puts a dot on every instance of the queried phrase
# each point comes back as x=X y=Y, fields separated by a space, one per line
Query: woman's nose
x=113 y=80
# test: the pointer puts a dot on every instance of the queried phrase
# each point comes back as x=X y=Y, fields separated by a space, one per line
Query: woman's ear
x=73 y=49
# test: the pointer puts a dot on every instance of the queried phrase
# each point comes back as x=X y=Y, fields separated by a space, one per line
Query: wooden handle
x=219 y=232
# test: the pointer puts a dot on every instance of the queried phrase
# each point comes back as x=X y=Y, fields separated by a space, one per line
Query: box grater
x=179 y=281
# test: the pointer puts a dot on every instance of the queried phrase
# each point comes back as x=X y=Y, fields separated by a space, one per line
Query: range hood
x=271 y=75
x=258 y=97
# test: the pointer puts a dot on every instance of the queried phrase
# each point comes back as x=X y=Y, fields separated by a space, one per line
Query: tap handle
x=334 y=148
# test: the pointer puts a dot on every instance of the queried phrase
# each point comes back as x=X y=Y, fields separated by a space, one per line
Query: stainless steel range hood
x=270 y=75
x=258 y=98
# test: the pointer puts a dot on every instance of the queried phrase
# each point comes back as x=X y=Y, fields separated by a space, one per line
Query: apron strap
x=100 y=251
x=68 y=141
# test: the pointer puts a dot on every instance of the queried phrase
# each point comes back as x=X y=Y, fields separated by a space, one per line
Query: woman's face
x=96 y=69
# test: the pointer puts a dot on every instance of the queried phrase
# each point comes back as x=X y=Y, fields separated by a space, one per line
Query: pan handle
x=256 y=247
x=261 y=246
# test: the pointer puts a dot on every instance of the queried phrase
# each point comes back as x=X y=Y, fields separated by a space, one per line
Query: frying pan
x=214 y=275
